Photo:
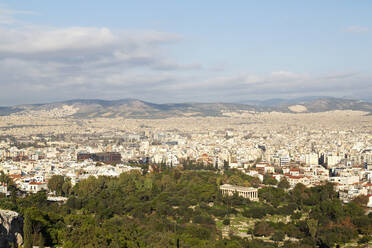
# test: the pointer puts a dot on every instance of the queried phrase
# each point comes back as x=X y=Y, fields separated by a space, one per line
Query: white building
x=369 y=204
x=311 y=159
x=246 y=192
x=332 y=160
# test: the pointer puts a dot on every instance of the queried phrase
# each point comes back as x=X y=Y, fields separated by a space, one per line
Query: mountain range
x=134 y=108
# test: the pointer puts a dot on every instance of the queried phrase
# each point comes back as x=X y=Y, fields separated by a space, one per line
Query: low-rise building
x=246 y=192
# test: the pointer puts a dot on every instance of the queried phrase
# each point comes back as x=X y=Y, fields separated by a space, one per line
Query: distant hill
x=328 y=104
x=9 y=110
x=280 y=101
x=134 y=108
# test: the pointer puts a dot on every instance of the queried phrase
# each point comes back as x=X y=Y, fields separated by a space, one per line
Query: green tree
x=27 y=231
x=278 y=236
x=226 y=165
x=66 y=187
x=226 y=222
x=5 y=178
x=283 y=184
x=41 y=241
x=263 y=229
x=55 y=184
x=312 y=225
x=364 y=239
x=269 y=180
x=361 y=200
x=236 y=180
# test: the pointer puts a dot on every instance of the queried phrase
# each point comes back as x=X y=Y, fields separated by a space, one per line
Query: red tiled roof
x=15 y=176
x=35 y=183
x=295 y=177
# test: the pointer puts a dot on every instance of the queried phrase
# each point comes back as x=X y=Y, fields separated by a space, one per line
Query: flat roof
x=234 y=187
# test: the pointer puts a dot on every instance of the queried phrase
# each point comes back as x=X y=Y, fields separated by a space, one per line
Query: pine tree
x=27 y=231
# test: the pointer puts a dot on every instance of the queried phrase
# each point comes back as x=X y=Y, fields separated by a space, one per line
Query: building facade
x=246 y=192
x=105 y=157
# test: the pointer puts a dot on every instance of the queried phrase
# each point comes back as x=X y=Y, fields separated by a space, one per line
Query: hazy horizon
x=248 y=102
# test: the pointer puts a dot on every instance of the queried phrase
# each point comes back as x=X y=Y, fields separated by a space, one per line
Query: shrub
x=278 y=236
x=226 y=222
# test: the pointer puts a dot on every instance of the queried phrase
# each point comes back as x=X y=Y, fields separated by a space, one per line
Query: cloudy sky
x=181 y=51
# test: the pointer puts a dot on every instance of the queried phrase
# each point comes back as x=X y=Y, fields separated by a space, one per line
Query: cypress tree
x=27 y=231
x=41 y=241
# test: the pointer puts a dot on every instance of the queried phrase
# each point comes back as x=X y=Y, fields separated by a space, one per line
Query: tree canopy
x=186 y=208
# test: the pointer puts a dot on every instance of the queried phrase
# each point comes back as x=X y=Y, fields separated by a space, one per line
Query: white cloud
x=357 y=29
x=286 y=75
x=7 y=16
x=80 y=40
x=43 y=41
x=39 y=64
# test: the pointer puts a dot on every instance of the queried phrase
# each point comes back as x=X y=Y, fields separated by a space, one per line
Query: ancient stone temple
x=246 y=192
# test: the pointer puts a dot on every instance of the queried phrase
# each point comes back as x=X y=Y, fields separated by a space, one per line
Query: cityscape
x=106 y=140
x=310 y=149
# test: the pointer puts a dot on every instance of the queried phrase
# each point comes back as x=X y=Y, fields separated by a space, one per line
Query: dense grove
x=181 y=208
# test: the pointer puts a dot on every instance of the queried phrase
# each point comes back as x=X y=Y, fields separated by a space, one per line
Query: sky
x=184 y=51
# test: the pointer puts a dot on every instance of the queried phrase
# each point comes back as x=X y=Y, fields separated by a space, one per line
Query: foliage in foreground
x=181 y=208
